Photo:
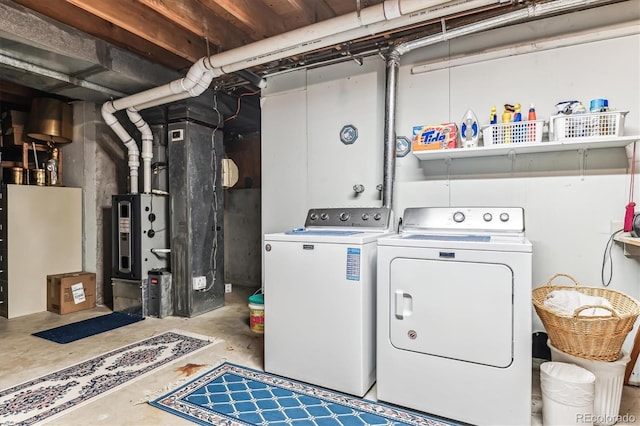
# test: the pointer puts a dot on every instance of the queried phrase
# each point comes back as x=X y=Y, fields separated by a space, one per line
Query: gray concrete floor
x=26 y=357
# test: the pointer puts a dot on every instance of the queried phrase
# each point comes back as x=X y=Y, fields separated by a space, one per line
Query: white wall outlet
x=227 y=288
x=199 y=283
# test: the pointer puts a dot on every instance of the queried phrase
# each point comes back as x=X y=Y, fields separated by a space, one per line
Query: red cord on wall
x=630 y=209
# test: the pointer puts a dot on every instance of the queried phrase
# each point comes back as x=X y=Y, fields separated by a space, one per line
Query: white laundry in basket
x=565 y=302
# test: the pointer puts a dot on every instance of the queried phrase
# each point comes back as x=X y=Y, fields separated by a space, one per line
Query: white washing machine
x=319 y=297
x=454 y=315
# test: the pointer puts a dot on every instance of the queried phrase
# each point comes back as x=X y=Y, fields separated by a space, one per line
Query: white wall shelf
x=631 y=245
x=581 y=144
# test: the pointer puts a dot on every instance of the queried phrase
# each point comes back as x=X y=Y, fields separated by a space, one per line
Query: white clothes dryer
x=319 y=298
x=454 y=315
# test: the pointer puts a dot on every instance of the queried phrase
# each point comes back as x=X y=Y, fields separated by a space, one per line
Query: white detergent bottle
x=469 y=130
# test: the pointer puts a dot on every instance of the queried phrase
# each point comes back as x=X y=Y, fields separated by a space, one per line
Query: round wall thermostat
x=348 y=134
x=403 y=146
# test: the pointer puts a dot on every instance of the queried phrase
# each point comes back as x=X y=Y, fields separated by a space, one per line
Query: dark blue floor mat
x=79 y=330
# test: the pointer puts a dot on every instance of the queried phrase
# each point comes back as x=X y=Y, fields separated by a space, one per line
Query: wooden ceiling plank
x=251 y=15
x=341 y=7
x=314 y=10
x=86 y=22
x=146 y=23
x=199 y=19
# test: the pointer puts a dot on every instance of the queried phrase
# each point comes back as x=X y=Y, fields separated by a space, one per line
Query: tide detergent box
x=438 y=136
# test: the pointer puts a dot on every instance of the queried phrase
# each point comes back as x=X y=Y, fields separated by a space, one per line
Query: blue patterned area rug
x=232 y=395
x=56 y=393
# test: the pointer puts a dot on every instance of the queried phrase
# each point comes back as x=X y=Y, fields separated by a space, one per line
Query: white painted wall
x=570 y=199
x=307 y=165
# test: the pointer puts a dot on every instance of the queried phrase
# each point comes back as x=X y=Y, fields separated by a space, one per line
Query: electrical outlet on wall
x=199 y=283
x=227 y=288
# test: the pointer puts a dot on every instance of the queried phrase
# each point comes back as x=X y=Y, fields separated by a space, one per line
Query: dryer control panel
x=350 y=217
x=496 y=220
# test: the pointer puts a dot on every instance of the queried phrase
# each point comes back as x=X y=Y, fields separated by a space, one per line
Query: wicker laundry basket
x=597 y=338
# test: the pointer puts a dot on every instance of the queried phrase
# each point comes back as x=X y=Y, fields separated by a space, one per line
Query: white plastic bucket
x=609 y=383
x=256 y=313
x=567 y=394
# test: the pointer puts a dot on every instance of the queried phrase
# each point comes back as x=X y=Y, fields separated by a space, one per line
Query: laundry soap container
x=567 y=394
x=256 y=313
x=609 y=383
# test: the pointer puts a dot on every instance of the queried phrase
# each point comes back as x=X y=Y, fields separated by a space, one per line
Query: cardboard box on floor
x=71 y=292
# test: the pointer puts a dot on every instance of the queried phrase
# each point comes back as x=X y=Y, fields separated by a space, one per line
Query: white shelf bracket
x=511 y=155
x=582 y=158
x=448 y=162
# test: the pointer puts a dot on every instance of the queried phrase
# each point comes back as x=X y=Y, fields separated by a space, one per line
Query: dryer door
x=452 y=309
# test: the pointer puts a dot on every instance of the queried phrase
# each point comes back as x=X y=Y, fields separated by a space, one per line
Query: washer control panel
x=480 y=219
x=352 y=217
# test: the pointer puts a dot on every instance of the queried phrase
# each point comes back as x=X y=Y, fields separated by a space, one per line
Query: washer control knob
x=344 y=216
x=504 y=217
x=458 y=217
x=377 y=216
x=365 y=216
x=324 y=216
x=487 y=217
x=313 y=216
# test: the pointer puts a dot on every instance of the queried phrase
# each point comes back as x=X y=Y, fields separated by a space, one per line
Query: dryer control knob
x=377 y=216
x=487 y=217
x=344 y=216
x=365 y=216
x=458 y=217
x=504 y=217
x=313 y=216
x=324 y=216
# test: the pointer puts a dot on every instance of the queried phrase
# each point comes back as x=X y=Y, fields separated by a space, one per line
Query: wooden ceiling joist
x=251 y=16
x=201 y=20
x=147 y=24
x=84 y=21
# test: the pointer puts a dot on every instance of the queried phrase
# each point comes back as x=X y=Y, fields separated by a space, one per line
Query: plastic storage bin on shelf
x=567 y=394
x=518 y=132
x=608 y=387
x=589 y=125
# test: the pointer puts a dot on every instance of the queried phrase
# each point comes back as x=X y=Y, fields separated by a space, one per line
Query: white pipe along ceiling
x=389 y=15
